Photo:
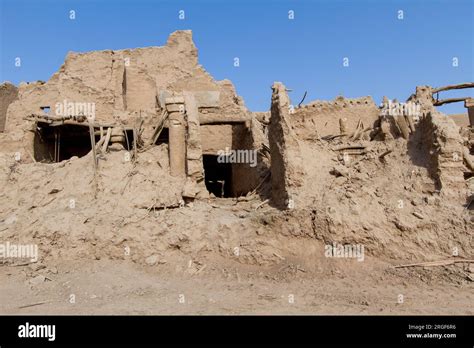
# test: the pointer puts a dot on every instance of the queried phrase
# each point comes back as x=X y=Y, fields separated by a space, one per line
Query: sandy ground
x=122 y=287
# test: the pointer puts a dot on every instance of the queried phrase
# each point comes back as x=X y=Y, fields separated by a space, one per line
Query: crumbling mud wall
x=128 y=90
x=322 y=118
x=441 y=145
x=246 y=176
x=286 y=169
x=337 y=171
x=444 y=147
x=8 y=94
x=125 y=84
x=396 y=195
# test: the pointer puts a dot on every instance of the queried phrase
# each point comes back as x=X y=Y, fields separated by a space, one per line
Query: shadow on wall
x=231 y=176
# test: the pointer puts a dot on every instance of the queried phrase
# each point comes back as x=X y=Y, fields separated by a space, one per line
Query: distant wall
x=321 y=118
x=8 y=94
x=461 y=120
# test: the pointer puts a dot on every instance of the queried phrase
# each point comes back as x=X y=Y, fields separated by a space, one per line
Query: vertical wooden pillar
x=469 y=104
x=177 y=135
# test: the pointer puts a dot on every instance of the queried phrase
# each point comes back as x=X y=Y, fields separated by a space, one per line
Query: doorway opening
x=58 y=143
x=163 y=138
x=218 y=176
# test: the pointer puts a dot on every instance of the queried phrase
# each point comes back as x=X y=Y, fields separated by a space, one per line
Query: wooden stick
x=134 y=145
x=99 y=143
x=94 y=153
x=107 y=140
x=261 y=204
x=349 y=147
x=126 y=139
x=435 y=263
x=261 y=183
x=385 y=154
x=55 y=145
x=34 y=304
x=59 y=144
x=158 y=129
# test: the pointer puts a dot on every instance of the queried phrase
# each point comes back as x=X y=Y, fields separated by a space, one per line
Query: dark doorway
x=218 y=176
x=163 y=138
x=129 y=140
x=59 y=143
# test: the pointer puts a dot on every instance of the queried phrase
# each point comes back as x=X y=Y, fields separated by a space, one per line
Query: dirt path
x=118 y=287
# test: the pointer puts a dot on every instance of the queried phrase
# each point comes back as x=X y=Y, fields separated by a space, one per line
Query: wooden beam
x=107 y=139
x=217 y=118
x=447 y=88
x=449 y=100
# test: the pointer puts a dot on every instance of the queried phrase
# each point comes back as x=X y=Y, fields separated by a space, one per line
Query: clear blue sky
x=387 y=56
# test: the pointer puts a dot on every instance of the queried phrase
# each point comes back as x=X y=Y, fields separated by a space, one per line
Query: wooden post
x=343 y=126
x=469 y=104
x=94 y=154
x=177 y=136
x=59 y=144
x=126 y=139
x=55 y=144
x=107 y=139
x=134 y=144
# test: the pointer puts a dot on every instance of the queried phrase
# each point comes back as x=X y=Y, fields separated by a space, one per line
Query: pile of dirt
x=131 y=210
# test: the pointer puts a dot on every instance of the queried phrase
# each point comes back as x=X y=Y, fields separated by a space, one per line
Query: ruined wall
x=444 y=146
x=8 y=94
x=216 y=137
x=124 y=84
x=321 y=118
x=286 y=169
x=246 y=176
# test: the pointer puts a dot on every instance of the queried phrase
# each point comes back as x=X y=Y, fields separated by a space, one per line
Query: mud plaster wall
x=215 y=138
x=244 y=175
x=321 y=118
x=286 y=169
x=442 y=144
x=8 y=94
x=124 y=83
